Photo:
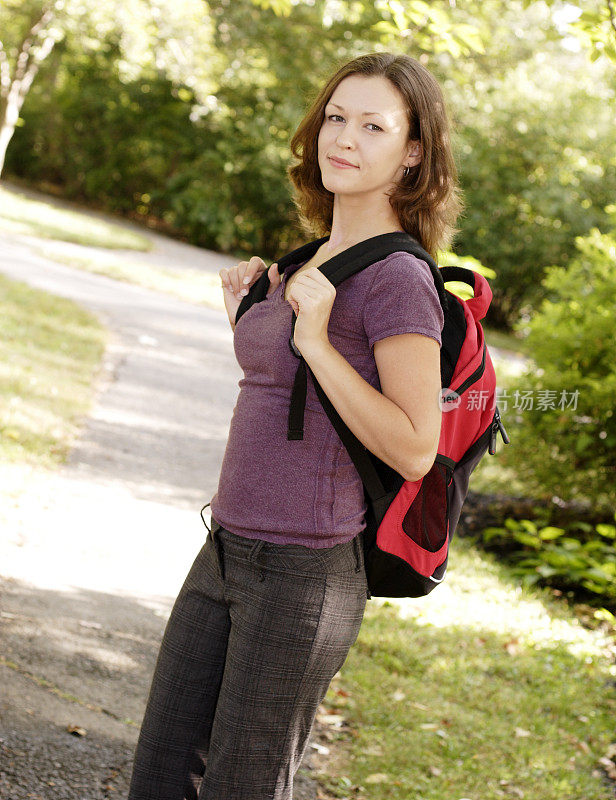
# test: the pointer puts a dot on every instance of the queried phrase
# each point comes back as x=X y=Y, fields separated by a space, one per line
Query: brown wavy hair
x=428 y=201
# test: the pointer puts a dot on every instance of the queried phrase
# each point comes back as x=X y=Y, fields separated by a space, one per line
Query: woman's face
x=365 y=123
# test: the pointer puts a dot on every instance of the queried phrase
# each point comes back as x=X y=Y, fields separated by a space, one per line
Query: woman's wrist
x=313 y=349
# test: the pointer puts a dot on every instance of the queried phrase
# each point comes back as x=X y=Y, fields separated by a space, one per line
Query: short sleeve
x=402 y=299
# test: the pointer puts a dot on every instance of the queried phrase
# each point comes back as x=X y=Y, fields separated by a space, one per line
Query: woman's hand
x=312 y=296
x=236 y=281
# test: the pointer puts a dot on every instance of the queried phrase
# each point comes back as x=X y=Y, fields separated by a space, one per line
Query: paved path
x=93 y=555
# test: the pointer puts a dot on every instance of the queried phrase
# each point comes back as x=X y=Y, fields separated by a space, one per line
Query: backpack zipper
x=474 y=376
x=497 y=427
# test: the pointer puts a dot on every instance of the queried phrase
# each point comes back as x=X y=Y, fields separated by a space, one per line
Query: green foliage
x=533 y=181
x=199 y=145
x=579 y=557
x=183 y=118
x=568 y=449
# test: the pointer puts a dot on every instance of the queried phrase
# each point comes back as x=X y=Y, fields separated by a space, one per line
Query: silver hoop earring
x=407 y=172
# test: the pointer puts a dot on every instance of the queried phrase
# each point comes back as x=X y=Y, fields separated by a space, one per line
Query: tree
x=34 y=29
x=536 y=158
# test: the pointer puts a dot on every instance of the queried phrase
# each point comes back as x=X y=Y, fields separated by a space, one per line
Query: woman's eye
x=331 y=116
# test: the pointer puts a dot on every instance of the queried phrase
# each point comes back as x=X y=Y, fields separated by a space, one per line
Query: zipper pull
x=493 y=430
x=497 y=427
x=501 y=427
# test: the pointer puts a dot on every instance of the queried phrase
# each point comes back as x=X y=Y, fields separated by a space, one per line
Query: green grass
x=21 y=214
x=50 y=351
x=191 y=285
x=480 y=691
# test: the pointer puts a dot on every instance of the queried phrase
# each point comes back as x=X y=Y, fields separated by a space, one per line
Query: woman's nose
x=346 y=137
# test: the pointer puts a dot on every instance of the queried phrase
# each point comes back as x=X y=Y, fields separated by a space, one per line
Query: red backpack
x=409 y=524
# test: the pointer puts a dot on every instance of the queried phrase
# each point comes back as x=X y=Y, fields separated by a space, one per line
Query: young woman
x=275 y=599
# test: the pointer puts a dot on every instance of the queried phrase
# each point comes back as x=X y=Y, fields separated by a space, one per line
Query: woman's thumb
x=274 y=276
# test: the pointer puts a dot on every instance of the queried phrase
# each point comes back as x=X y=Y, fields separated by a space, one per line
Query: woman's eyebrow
x=365 y=113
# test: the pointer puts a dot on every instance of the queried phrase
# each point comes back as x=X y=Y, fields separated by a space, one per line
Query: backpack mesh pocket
x=425 y=522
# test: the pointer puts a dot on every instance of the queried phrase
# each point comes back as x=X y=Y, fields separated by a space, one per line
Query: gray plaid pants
x=255 y=636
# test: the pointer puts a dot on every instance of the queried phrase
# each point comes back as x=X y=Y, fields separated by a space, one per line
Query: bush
x=565 y=443
x=581 y=557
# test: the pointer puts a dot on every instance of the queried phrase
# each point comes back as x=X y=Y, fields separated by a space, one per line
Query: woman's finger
x=314 y=278
x=252 y=271
x=239 y=273
x=274 y=278
x=225 y=279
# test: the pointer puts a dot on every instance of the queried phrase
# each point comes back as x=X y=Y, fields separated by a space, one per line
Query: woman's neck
x=353 y=223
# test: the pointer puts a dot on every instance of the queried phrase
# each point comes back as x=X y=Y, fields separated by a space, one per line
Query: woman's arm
x=402 y=424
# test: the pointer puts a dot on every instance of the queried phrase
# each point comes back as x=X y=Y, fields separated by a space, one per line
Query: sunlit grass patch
x=481 y=690
x=21 y=214
x=50 y=350
x=191 y=285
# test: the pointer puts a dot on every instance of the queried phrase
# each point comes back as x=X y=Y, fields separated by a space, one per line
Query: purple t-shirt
x=308 y=491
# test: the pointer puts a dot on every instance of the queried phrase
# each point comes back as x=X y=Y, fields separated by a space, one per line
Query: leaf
x=550 y=533
x=460 y=289
x=546 y=571
x=527 y=538
x=609 y=531
x=487 y=534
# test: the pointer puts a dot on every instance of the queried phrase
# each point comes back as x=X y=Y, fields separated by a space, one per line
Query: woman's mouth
x=341 y=164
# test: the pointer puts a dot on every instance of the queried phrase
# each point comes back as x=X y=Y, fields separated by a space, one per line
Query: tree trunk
x=14 y=89
x=12 y=107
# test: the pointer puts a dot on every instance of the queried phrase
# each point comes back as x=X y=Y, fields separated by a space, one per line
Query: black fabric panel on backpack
x=461 y=274
x=452 y=339
x=454 y=330
x=425 y=520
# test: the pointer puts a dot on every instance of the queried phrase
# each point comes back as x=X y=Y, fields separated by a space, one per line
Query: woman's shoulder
x=399 y=268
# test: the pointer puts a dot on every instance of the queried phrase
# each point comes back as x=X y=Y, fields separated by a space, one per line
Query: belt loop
x=357 y=554
x=252 y=556
x=215 y=536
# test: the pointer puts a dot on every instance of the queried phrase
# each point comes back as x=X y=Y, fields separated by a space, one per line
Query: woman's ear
x=414 y=154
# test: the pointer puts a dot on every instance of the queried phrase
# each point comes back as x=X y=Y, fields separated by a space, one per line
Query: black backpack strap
x=363 y=254
x=360 y=455
x=336 y=270
x=258 y=291
x=295 y=423
x=461 y=274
